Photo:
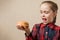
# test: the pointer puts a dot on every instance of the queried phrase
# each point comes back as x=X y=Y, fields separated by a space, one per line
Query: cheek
x=50 y=17
x=41 y=15
x=47 y=16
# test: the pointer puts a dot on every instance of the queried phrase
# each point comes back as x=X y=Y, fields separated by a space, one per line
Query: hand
x=23 y=25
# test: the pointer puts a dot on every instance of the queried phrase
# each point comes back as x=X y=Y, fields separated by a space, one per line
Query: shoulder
x=38 y=25
x=35 y=26
x=57 y=27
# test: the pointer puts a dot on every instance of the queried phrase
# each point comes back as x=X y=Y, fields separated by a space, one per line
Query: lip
x=44 y=19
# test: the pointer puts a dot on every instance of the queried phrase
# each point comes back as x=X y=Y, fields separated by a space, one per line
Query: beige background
x=12 y=11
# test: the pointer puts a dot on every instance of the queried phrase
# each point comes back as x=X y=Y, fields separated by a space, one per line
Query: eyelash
x=44 y=12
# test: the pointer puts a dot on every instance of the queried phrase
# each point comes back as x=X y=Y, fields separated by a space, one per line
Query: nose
x=43 y=14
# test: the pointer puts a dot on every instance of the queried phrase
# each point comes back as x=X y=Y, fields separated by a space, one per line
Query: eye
x=46 y=12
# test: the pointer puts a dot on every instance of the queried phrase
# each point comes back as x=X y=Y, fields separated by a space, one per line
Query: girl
x=47 y=30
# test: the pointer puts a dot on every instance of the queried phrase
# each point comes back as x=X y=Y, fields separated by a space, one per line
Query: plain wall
x=12 y=11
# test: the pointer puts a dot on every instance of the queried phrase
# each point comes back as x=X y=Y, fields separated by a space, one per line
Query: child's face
x=47 y=14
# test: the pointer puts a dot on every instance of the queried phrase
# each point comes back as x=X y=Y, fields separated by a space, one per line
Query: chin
x=45 y=22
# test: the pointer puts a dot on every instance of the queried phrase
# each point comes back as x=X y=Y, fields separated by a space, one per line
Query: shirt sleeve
x=59 y=34
x=33 y=34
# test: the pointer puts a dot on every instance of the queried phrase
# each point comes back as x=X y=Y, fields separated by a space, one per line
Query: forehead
x=45 y=6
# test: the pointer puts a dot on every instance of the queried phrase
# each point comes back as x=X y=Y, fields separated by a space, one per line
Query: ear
x=55 y=13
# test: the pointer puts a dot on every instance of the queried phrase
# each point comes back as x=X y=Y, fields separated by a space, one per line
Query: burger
x=22 y=25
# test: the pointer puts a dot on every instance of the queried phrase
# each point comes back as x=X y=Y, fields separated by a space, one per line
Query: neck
x=48 y=23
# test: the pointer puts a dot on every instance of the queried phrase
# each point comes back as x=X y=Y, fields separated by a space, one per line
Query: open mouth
x=44 y=19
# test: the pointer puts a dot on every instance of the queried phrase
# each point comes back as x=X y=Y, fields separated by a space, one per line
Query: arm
x=32 y=35
x=59 y=34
